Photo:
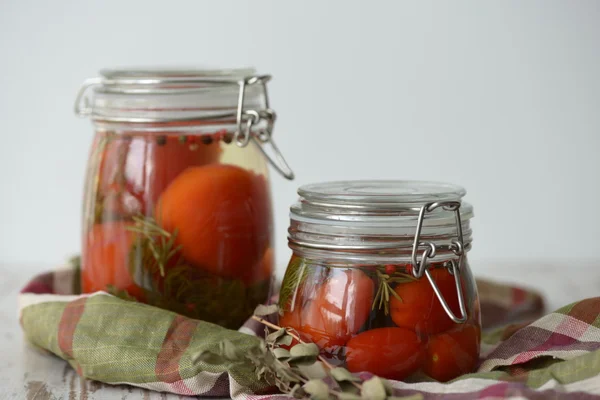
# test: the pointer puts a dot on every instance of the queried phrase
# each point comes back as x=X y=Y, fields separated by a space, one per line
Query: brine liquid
x=180 y=221
x=379 y=318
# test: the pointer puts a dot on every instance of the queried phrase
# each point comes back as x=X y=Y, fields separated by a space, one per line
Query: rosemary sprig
x=157 y=240
x=384 y=290
x=272 y=345
x=292 y=334
x=301 y=371
x=295 y=274
x=157 y=265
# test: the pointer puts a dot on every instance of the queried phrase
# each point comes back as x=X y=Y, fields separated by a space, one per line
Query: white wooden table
x=27 y=374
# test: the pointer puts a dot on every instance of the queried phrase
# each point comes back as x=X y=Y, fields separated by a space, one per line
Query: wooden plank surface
x=28 y=374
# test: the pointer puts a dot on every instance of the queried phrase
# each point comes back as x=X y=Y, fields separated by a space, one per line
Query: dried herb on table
x=299 y=371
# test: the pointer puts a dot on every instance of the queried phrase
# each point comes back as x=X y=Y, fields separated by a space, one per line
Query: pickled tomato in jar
x=353 y=287
x=177 y=203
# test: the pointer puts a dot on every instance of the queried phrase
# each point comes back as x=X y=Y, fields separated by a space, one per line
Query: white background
x=500 y=97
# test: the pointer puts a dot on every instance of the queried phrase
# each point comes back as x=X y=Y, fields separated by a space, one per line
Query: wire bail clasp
x=246 y=119
x=420 y=267
x=82 y=102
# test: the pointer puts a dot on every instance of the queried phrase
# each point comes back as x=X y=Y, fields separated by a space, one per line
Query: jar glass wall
x=177 y=213
x=351 y=286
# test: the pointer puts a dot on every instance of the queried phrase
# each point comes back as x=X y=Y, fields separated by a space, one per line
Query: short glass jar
x=379 y=277
x=177 y=204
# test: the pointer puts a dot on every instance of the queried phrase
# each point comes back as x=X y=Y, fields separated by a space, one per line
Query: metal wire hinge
x=246 y=119
x=420 y=267
x=82 y=102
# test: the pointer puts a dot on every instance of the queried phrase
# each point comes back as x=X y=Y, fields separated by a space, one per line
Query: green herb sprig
x=295 y=274
x=169 y=282
x=384 y=290
x=159 y=242
x=300 y=371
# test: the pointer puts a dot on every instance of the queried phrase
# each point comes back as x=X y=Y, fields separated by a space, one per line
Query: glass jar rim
x=150 y=72
x=167 y=95
x=169 y=80
x=379 y=215
x=374 y=195
x=154 y=97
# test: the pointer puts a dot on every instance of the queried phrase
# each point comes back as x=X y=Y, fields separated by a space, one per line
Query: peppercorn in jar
x=177 y=205
x=379 y=277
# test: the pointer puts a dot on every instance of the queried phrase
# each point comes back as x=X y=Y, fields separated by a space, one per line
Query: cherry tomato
x=420 y=309
x=340 y=306
x=393 y=353
x=222 y=217
x=452 y=353
x=105 y=259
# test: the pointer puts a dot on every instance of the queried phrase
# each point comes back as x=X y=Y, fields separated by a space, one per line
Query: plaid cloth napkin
x=119 y=342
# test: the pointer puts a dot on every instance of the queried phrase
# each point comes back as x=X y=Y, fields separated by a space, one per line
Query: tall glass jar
x=379 y=277
x=177 y=206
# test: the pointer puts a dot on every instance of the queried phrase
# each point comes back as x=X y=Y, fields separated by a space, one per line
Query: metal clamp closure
x=420 y=267
x=82 y=102
x=247 y=121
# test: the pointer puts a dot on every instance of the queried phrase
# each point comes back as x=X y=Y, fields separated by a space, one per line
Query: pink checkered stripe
x=557 y=335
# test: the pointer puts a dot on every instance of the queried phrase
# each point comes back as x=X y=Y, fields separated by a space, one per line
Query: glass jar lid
x=185 y=97
x=379 y=195
x=170 y=95
x=388 y=217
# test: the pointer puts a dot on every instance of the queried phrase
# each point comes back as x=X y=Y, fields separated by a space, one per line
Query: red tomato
x=420 y=309
x=262 y=272
x=118 y=202
x=291 y=319
x=111 y=160
x=145 y=167
x=452 y=353
x=170 y=159
x=120 y=192
x=222 y=216
x=341 y=305
x=105 y=259
x=264 y=218
x=393 y=353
